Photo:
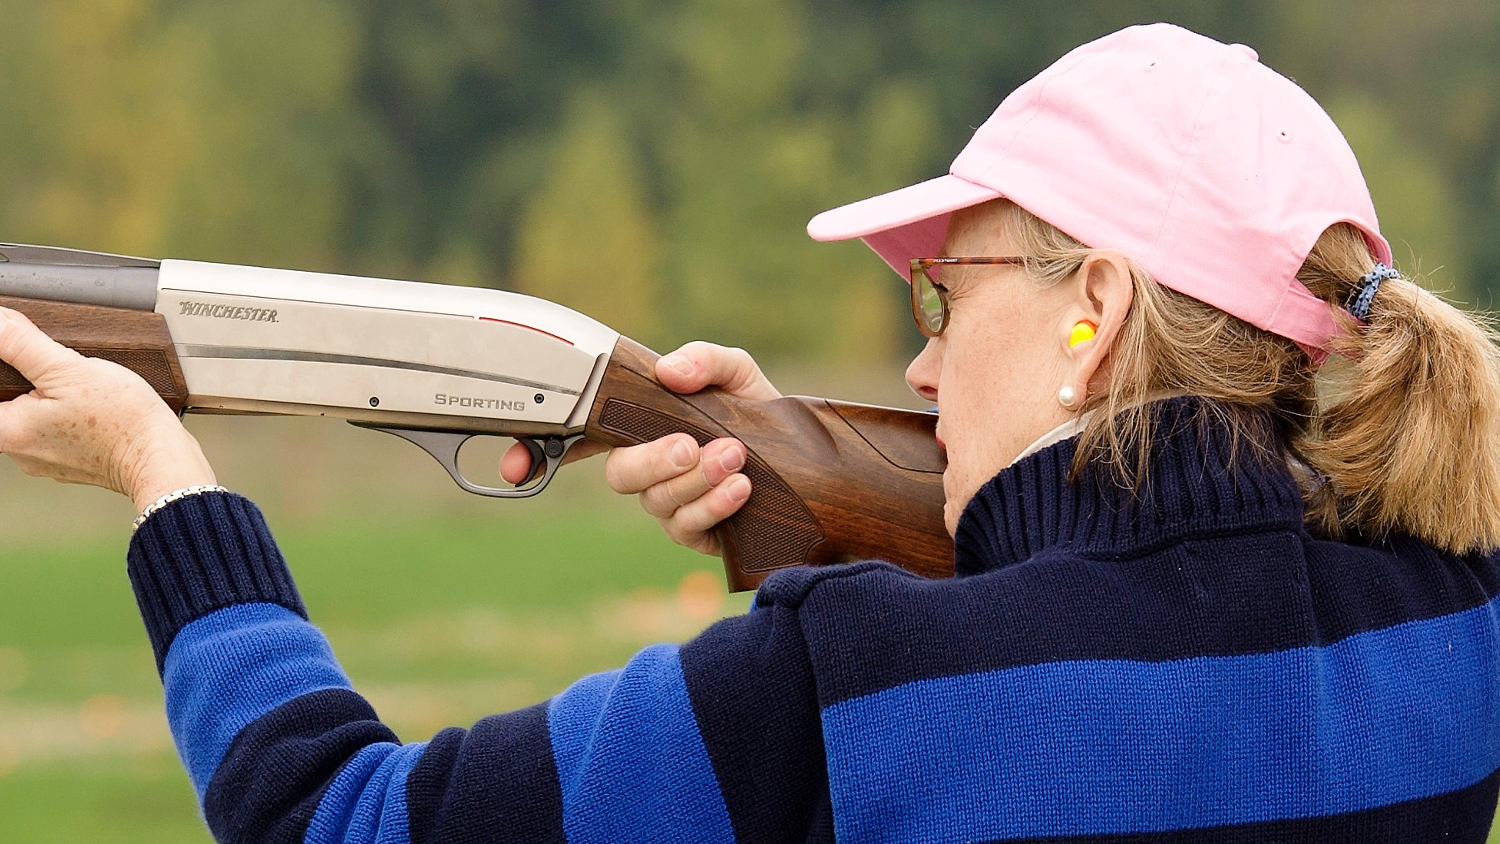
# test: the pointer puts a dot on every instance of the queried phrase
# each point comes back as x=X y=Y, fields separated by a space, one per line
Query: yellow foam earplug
x=1083 y=332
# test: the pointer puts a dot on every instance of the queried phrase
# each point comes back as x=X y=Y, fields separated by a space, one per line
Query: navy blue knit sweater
x=1186 y=665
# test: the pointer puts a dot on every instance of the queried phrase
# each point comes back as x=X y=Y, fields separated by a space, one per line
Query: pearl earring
x=1067 y=397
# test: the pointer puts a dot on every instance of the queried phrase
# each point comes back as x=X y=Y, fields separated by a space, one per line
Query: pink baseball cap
x=1212 y=171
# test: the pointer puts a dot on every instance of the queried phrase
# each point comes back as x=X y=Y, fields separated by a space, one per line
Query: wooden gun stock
x=137 y=340
x=831 y=481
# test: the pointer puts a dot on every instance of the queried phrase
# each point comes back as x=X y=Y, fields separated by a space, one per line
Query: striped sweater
x=1184 y=665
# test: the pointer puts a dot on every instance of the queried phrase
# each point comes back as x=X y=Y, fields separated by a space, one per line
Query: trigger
x=538 y=459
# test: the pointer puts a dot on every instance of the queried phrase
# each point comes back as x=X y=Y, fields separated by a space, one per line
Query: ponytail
x=1410 y=440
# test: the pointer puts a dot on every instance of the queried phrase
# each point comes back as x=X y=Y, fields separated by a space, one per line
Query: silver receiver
x=434 y=364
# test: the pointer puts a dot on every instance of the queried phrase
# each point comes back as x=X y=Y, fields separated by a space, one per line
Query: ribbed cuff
x=199 y=555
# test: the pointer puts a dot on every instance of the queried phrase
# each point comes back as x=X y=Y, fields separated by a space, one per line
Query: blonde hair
x=1400 y=433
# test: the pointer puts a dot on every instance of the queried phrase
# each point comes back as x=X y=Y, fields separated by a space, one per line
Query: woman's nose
x=922 y=373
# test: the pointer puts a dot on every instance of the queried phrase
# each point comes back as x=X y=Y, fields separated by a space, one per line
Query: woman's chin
x=953 y=507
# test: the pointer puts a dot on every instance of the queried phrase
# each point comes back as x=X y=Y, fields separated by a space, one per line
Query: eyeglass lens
x=928 y=305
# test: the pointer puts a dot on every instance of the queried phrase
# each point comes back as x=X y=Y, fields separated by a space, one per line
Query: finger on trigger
x=515 y=465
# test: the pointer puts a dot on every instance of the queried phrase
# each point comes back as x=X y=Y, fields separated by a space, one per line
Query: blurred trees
x=650 y=162
x=586 y=236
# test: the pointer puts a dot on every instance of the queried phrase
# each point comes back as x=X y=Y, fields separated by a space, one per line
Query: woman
x=1209 y=588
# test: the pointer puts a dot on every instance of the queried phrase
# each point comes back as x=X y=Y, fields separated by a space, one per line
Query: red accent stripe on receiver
x=527 y=327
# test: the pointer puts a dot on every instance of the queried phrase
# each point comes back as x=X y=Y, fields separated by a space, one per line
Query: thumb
x=33 y=354
x=699 y=364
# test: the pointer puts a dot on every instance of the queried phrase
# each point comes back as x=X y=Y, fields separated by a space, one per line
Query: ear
x=1103 y=294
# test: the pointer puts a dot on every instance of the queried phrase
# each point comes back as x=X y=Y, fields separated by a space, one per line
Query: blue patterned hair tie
x=1359 y=301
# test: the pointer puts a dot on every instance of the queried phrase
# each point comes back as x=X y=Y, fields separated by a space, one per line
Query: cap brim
x=903 y=224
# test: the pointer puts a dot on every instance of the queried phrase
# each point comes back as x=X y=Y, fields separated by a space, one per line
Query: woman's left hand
x=89 y=421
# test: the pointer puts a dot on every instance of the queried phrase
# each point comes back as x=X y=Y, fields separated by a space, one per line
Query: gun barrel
x=113 y=287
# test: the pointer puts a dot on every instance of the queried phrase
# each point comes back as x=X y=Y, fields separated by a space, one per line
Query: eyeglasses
x=929 y=300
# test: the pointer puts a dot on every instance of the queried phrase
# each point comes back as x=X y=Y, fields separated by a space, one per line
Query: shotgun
x=439 y=364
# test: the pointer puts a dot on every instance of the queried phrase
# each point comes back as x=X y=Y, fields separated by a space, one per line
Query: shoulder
x=1361 y=585
x=870 y=626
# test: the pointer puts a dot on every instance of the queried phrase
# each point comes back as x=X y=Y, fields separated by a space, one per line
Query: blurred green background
x=649 y=163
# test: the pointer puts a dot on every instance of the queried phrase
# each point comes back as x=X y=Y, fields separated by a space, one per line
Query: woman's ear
x=1105 y=290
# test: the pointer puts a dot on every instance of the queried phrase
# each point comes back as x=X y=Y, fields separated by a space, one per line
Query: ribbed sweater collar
x=1194 y=486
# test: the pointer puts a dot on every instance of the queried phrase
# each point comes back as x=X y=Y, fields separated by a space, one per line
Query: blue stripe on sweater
x=1375 y=719
x=232 y=666
x=630 y=758
x=366 y=802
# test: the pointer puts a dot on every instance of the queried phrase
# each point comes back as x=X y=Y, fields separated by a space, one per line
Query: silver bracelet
x=174 y=495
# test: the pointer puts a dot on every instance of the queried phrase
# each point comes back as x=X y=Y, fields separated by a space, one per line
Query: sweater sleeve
x=715 y=740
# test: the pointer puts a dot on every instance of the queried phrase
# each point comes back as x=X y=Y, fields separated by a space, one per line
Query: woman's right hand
x=688 y=489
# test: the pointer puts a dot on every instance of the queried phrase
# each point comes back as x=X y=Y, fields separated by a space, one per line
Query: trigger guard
x=444 y=447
